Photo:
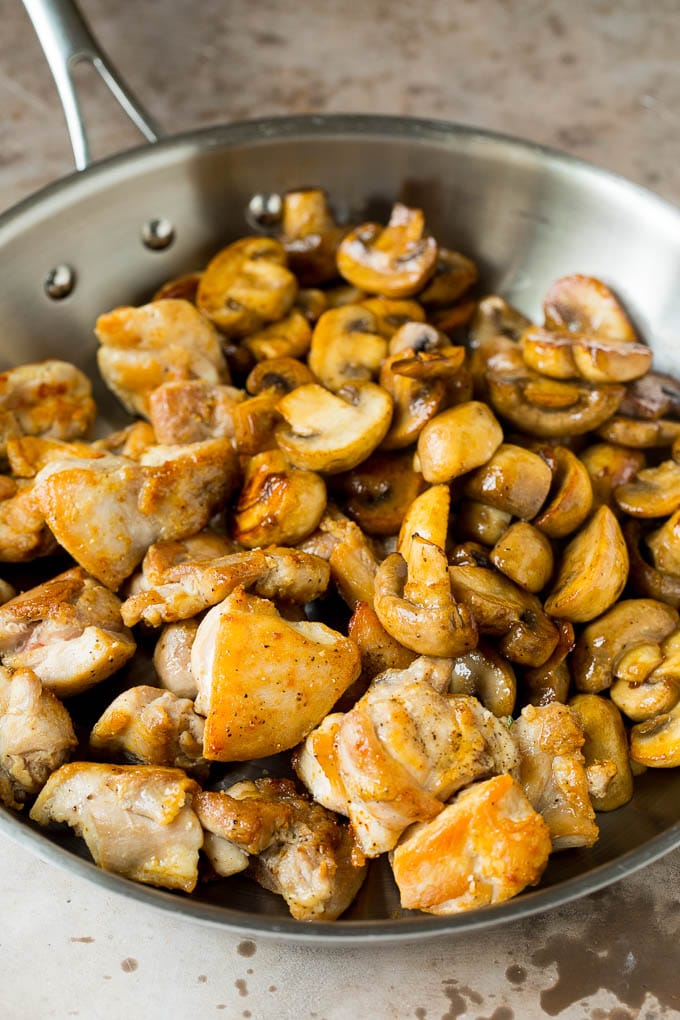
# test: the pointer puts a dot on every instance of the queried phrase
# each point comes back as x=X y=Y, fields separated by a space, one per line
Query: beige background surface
x=599 y=79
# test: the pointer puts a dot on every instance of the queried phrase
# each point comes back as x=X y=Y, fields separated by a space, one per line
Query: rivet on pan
x=60 y=281
x=264 y=209
x=158 y=234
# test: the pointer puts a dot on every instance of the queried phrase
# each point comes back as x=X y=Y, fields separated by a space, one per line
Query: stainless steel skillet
x=525 y=213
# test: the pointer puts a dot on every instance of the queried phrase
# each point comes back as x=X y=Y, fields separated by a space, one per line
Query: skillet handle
x=67 y=41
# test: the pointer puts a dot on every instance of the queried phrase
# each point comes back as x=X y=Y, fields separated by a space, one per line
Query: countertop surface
x=598 y=79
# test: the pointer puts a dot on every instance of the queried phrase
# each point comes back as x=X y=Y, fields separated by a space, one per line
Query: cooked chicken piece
x=193 y=410
x=405 y=747
x=298 y=849
x=132 y=441
x=28 y=454
x=379 y=650
x=137 y=820
x=153 y=727
x=264 y=682
x=24 y=534
x=350 y=554
x=36 y=736
x=68 y=630
x=49 y=398
x=483 y=848
x=141 y=348
x=552 y=772
x=107 y=512
x=172 y=658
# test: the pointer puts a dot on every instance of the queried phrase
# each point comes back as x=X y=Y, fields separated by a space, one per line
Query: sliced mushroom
x=350 y=555
x=496 y=317
x=524 y=555
x=551 y=682
x=247 y=285
x=183 y=287
x=394 y=261
x=572 y=355
x=648 y=679
x=391 y=314
x=379 y=650
x=450 y=320
x=656 y=743
x=415 y=403
x=377 y=493
x=593 y=571
x=416 y=337
x=281 y=374
x=503 y=609
x=333 y=432
x=629 y=623
x=312 y=302
x=310 y=235
x=279 y=504
x=454 y=274
x=609 y=466
x=583 y=304
x=458 y=440
x=571 y=495
x=664 y=544
x=514 y=480
x=413 y=596
x=346 y=347
x=640 y=435
x=606 y=743
x=652 y=397
x=655 y=492
x=485 y=675
x=649 y=581
x=254 y=422
x=344 y=294
x=551 y=408
x=289 y=337
x=480 y=522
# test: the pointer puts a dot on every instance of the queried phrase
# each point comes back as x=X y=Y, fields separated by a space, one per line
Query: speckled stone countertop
x=598 y=79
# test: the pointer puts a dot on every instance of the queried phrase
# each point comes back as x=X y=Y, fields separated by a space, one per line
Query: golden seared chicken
x=193 y=410
x=107 y=512
x=137 y=820
x=265 y=682
x=49 y=398
x=292 y=846
x=404 y=748
x=24 y=534
x=172 y=658
x=141 y=348
x=36 y=735
x=144 y=724
x=483 y=848
x=553 y=774
x=68 y=630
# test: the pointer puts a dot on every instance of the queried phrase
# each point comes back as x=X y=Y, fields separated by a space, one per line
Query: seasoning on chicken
x=68 y=630
x=552 y=772
x=193 y=410
x=153 y=727
x=107 y=512
x=24 y=534
x=292 y=846
x=485 y=847
x=265 y=682
x=49 y=398
x=172 y=658
x=141 y=348
x=36 y=736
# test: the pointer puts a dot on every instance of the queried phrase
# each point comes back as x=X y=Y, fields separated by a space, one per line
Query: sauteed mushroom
x=572 y=355
x=654 y=492
x=378 y=491
x=606 y=744
x=656 y=742
x=525 y=556
x=514 y=480
x=571 y=494
x=458 y=440
x=583 y=304
x=552 y=408
x=289 y=337
x=346 y=347
x=279 y=504
x=310 y=235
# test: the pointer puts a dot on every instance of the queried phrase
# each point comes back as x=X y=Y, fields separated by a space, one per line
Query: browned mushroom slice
x=458 y=440
x=480 y=522
x=593 y=570
x=312 y=302
x=551 y=408
x=157 y=343
x=415 y=403
x=514 y=480
x=416 y=337
x=606 y=744
x=655 y=492
x=551 y=682
x=331 y=432
x=377 y=493
x=664 y=544
x=288 y=337
x=344 y=294
x=583 y=304
x=647 y=679
x=450 y=320
x=310 y=235
x=279 y=504
x=254 y=422
x=281 y=374
x=609 y=466
x=571 y=495
x=572 y=355
x=183 y=287
x=454 y=274
x=346 y=346
x=495 y=317
x=552 y=772
x=391 y=314
x=393 y=261
x=639 y=434
x=247 y=285
x=192 y=410
x=628 y=624
x=379 y=650
x=485 y=675
x=656 y=743
x=652 y=397
x=351 y=557
x=649 y=581
x=525 y=556
x=503 y=609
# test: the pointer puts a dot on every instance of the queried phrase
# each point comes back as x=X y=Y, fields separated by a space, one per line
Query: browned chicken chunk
x=24 y=534
x=190 y=411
